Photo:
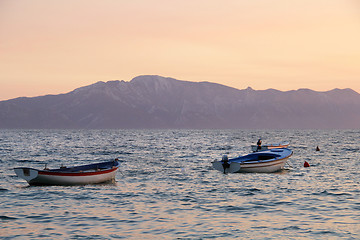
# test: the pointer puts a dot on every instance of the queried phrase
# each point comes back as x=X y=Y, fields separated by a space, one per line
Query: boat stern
x=229 y=168
x=26 y=173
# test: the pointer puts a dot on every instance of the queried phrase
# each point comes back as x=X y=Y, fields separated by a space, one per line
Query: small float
x=78 y=175
x=269 y=161
x=283 y=144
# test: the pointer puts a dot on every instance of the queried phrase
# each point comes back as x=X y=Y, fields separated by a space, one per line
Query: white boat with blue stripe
x=269 y=161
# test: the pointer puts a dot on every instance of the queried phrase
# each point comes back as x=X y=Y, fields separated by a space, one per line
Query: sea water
x=166 y=187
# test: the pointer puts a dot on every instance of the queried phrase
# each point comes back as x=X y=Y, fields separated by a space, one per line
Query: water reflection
x=167 y=189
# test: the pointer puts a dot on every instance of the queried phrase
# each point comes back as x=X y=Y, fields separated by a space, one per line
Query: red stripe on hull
x=77 y=173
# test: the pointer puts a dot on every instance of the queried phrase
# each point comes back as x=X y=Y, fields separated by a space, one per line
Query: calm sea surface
x=167 y=189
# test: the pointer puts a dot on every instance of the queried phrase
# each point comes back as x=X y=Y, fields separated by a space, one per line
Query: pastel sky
x=52 y=47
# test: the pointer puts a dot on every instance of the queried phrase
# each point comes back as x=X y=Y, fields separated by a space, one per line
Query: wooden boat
x=283 y=144
x=272 y=160
x=78 y=175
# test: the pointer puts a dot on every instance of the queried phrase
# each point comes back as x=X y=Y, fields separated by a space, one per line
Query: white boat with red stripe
x=283 y=144
x=78 y=175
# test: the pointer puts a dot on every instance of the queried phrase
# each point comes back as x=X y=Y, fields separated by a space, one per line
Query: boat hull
x=263 y=167
x=259 y=162
x=88 y=175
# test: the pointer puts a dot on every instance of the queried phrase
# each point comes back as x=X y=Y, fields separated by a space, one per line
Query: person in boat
x=258 y=145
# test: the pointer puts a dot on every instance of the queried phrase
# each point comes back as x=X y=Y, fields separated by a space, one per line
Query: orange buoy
x=306 y=164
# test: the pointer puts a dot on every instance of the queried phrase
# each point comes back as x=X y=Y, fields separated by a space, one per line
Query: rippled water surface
x=167 y=189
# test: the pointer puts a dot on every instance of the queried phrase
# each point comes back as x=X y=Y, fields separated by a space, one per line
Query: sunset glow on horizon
x=53 y=47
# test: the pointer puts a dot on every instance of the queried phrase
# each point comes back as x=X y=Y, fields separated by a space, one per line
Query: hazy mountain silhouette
x=158 y=102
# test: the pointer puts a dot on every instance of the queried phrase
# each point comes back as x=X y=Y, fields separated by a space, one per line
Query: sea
x=166 y=187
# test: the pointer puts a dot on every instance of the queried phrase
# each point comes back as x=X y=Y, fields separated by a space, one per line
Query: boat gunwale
x=265 y=164
x=275 y=154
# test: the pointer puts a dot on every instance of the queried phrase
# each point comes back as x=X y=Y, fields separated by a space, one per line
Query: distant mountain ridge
x=157 y=102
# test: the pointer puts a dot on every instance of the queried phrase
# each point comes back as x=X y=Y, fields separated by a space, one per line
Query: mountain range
x=157 y=102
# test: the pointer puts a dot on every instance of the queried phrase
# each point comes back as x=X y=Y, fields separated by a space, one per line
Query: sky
x=53 y=47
